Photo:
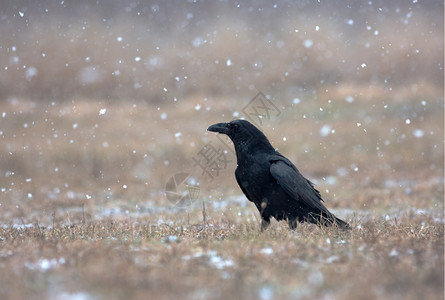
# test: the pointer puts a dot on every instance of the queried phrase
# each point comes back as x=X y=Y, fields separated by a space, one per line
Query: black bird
x=271 y=181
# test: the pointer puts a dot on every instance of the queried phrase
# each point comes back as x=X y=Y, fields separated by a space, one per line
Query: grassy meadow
x=101 y=104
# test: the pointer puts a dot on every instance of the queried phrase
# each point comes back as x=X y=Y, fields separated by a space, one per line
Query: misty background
x=102 y=102
x=156 y=51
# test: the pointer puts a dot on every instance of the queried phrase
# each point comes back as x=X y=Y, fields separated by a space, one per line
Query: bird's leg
x=292 y=223
x=265 y=222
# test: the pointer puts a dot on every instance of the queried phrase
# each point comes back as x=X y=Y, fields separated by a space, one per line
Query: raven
x=272 y=182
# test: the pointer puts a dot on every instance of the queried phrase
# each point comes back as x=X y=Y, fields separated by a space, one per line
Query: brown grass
x=401 y=258
x=83 y=210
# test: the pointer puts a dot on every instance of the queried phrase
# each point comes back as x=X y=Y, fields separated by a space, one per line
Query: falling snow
x=103 y=101
x=325 y=130
x=418 y=133
x=308 y=43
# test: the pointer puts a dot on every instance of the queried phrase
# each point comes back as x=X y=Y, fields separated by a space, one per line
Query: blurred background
x=101 y=102
x=138 y=50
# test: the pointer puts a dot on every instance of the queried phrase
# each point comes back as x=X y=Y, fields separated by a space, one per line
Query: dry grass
x=135 y=259
x=83 y=210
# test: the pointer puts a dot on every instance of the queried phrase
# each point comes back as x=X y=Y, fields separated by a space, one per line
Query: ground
x=140 y=258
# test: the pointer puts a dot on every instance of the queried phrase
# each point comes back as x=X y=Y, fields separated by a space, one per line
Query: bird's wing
x=295 y=185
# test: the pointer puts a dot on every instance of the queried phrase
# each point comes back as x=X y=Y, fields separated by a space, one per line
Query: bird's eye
x=235 y=127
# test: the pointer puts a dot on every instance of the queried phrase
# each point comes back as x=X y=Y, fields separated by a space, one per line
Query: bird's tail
x=342 y=224
x=331 y=220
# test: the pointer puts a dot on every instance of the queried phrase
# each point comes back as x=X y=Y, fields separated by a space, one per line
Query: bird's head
x=241 y=132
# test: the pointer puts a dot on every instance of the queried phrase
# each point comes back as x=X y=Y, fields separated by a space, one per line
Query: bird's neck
x=246 y=149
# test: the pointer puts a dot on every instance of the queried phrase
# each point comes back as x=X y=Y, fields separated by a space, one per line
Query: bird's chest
x=253 y=168
x=254 y=176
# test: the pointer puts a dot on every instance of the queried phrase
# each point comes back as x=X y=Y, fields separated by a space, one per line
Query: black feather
x=272 y=182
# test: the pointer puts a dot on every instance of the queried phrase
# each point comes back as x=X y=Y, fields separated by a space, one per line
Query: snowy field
x=104 y=108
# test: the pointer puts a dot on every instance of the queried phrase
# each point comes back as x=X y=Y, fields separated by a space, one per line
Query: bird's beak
x=219 y=127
